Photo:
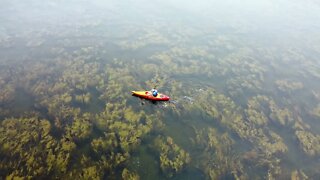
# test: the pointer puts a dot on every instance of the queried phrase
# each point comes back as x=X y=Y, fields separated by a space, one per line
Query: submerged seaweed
x=241 y=107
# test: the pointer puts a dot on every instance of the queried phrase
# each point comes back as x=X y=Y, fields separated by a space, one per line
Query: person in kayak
x=154 y=92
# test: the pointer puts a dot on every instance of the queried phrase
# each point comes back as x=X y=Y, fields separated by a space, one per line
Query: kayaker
x=154 y=92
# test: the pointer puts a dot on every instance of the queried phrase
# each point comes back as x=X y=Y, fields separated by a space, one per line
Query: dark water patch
x=311 y=120
x=190 y=173
x=145 y=52
x=22 y=102
x=179 y=130
x=145 y=162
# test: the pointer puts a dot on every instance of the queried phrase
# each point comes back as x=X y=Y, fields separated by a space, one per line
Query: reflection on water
x=242 y=80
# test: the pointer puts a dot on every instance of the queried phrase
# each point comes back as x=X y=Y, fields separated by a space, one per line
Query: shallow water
x=242 y=77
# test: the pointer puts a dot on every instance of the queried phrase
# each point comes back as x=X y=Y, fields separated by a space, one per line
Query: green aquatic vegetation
x=256 y=117
x=300 y=125
x=56 y=104
x=113 y=92
x=15 y=176
x=116 y=88
x=217 y=158
x=256 y=112
x=230 y=87
x=253 y=159
x=81 y=127
x=297 y=175
x=91 y=173
x=183 y=61
x=6 y=94
x=288 y=86
x=309 y=142
x=129 y=126
x=158 y=81
x=275 y=144
x=164 y=58
x=267 y=108
x=242 y=84
x=244 y=73
x=251 y=127
x=266 y=140
x=172 y=157
x=108 y=143
x=89 y=169
x=149 y=37
x=18 y=130
x=81 y=75
x=107 y=150
x=83 y=98
x=129 y=134
x=149 y=68
x=126 y=174
x=132 y=116
x=316 y=111
x=37 y=152
x=242 y=60
x=63 y=115
x=283 y=116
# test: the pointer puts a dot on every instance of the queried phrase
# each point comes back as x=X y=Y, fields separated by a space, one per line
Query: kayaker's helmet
x=154 y=92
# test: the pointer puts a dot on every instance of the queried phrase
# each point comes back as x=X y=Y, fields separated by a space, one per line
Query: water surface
x=242 y=76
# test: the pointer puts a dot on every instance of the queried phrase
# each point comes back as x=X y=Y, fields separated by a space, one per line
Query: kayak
x=148 y=95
